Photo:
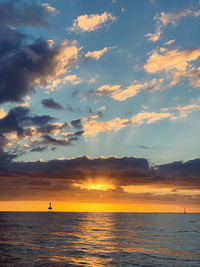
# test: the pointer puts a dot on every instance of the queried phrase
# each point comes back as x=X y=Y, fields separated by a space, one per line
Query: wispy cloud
x=94 y=127
x=115 y=91
x=183 y=110
x=163 y=19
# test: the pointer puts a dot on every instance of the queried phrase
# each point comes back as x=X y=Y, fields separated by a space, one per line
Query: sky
x=100 y=105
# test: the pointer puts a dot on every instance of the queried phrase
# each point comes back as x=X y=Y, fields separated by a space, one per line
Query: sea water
x=99 y=239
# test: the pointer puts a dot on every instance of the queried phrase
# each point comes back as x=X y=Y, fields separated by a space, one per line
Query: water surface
x=99 y=239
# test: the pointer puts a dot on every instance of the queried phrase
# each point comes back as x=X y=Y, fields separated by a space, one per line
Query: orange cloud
x=88 y=23
x=73 y=79
x=171 y=60
x=154 y=36
x=133 y=89
x=96 y=54
x=177 y=63
x=2 y=113
x=94 y=127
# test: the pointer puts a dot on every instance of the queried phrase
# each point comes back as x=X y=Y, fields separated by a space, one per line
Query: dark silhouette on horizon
x=50 y=207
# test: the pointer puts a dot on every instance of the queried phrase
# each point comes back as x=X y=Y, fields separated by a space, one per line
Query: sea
x=99 y=239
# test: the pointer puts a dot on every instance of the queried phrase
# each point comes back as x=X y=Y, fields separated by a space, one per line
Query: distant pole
x=50 y=207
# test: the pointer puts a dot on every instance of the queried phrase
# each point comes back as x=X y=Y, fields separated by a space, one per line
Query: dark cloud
x=50 y=103
x=38 y=149
x=75 y=136
x=184 y=169
x=22 y=66
x=77 y=124
x=49 y=140
x=21 y=177
x=20 y=117
x=5 y=159
x=50 y=128
x=69 y=139
x=23 y=13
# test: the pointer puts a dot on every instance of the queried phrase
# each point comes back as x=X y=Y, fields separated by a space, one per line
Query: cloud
x=176 y=62
x=21 y=132
x=154 y=36
x=49 y=9
x=102 y=108
x=163 y=19
x=171 y=60
x=96 y=54
x=173 y=17
x=148 y=147
x=53 y=128
x=50 y=103
x=77 y=124
x=2 y=113
x=33 y=64
x=93 y=127
x=128 y=175
x=73 y=79
x=22 y=14
x=18 y=118
x=88 y=23
x=49 y=140
x=38 y=149
x=94 y=114
x=193 y=75
x=133 y=89
x=169 y=42
x=92 y=81
x=154 y=85
x=183 y=110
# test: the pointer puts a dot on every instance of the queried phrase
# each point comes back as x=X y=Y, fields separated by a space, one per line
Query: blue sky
x=128 y=47
x=107 y=79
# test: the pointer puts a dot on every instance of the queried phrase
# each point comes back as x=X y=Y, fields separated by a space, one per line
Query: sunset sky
x=100 y=105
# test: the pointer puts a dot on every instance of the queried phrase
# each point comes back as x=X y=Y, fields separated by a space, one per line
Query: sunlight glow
x=94 y=186
x=147 y=189
x=92 y=207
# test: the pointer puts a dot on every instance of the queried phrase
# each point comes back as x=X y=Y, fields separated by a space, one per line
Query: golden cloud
x=96 y=54
x=171 y=60
x=93 y=127
x=177 y=63
x=133 y=89
x=88 y=23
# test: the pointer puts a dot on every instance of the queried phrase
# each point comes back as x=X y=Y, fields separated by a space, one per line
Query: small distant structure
x=50 y=207
x=184 y=210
